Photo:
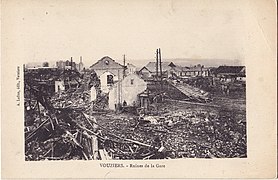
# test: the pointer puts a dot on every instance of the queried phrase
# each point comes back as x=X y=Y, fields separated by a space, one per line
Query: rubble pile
x=61 y=132
x=68 y=125
x=61 y=129
x=71 y=98
x=184 y=134
x=204 y=83
x=55 y=133
x=80 y=97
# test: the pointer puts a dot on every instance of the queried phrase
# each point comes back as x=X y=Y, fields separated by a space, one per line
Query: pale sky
x=205 y=29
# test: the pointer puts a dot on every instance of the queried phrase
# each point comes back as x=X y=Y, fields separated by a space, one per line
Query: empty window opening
x=110 y=79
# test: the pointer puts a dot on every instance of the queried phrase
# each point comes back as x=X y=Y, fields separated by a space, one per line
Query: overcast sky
x=54 y=30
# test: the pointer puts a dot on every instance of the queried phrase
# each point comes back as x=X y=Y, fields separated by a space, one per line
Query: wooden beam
x=95 y=147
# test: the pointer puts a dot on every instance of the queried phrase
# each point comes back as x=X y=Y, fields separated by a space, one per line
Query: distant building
x=80 y=66
x=108 y=71
x=175 y=71
x=70 y=65
x=130 y=69
x=61 y=64
x=230 y=73
x=168 y=69
x=127 y=90
x=33 y=65
x=65 y=64
x=198 y=70
x=145 y=73
x=40 y=69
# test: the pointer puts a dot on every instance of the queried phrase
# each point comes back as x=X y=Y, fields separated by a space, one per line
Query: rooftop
x=151 y=66
x=230 y=69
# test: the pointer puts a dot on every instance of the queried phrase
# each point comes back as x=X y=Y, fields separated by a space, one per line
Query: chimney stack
x=71 y=63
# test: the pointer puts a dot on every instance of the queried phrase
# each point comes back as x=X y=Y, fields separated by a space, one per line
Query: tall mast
x=124 y=66
x=156 y=64
x=160 y=66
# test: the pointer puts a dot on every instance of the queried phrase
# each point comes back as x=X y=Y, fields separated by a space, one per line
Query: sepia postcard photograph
x=139 y=89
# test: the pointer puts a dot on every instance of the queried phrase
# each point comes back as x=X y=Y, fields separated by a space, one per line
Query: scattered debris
x=68 y=125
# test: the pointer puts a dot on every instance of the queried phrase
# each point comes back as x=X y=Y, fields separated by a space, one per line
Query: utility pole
x=156 y=63
x=119 y=92
x=160 y=66
x=70 y=68
x=124 y=66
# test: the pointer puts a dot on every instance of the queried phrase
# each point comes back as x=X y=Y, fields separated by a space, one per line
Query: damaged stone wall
x=127 y=90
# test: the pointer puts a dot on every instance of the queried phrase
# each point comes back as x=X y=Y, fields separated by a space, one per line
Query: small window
x=132 y=81
x=109 y=79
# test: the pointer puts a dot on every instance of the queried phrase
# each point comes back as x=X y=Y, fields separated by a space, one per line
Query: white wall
x=93 y=93
x=130 y=69
x=112 y=97
x=59 y=85
x=103 y=81
x=126 y=92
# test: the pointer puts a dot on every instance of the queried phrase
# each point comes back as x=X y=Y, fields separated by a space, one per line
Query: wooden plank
x=102 y=155
x=137 y=142
x=106 y=154
x=95 y=147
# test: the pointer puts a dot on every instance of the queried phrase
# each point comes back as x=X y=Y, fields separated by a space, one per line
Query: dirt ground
x=188 y=130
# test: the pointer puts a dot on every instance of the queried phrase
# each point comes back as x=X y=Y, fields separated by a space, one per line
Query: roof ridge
x=108 y=58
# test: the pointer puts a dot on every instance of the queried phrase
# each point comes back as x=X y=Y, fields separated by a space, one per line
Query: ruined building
x=109 y=72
